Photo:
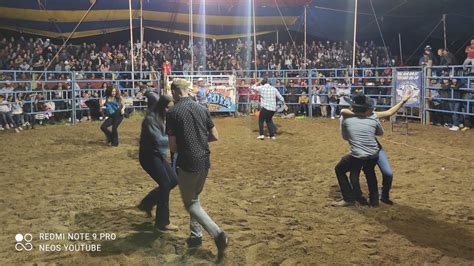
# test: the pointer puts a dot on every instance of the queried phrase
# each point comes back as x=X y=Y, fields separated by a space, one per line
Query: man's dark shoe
x=374 y=203
x=194 y=242
x=222 y=242
x=362 y=201
x=386 y=201
x=145 y=208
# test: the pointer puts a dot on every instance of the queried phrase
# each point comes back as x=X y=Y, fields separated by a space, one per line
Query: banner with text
x=408 y=82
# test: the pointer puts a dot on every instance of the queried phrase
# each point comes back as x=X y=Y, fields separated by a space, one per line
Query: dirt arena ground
x=271 y=197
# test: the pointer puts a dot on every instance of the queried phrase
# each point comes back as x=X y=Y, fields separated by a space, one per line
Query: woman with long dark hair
x=115 y=109
x=152 y=155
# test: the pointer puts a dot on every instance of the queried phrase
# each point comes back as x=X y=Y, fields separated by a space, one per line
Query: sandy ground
x=271 y=197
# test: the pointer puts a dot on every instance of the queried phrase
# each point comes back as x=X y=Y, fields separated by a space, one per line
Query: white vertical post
x=400 y=44
x=354 y=42
x=305 y=57
x=131 y=43
x=254 y=36
x=141 y=39
x=191 y=34
x=444 y=26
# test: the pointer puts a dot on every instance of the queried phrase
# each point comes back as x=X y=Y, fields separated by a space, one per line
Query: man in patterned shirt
x=190 y=128
x=268 y=104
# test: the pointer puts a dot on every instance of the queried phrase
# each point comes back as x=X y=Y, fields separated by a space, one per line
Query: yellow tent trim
x=209 y=36
x=121 y=14
x=53 y=34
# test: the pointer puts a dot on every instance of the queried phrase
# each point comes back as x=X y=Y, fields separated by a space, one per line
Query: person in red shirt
x=166 y=71
x=167 y=68
x=470 y=56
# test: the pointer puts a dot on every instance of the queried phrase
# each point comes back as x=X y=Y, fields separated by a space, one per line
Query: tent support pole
x=131 y=44
x=354 y=42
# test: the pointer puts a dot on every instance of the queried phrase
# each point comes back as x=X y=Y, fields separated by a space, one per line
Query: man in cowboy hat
x=201 y=94
x=360 y=132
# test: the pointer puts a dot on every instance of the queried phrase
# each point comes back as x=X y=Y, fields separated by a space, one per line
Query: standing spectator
x=445 y=93
x=167 y=68
x=323 y=96
x=190 y=128
x=447 y=58
x=292 y=96
x=470 y=56
x=454 y=105
x=428 y=56
x=17 y=112
x=437 y=118
x=201 y=93
x=333 y=101
x=115 y=109
x=281 y=88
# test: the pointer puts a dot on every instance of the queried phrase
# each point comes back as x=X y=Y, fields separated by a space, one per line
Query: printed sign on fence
x=220 y=98
x=409 y=82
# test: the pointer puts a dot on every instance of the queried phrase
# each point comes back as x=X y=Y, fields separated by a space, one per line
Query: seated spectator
x=303 y=101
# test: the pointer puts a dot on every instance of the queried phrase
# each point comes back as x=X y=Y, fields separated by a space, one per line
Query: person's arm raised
x=394 y=109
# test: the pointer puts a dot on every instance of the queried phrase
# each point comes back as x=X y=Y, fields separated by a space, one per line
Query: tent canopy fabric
x=223 y=19
x=328 y=19
x=334 y=19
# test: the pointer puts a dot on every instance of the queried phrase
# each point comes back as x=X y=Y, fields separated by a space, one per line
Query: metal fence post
x=310 y=93
x=73 y=96
x=426 y=94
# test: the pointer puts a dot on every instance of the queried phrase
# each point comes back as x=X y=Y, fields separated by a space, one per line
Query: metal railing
x=63 y=95
x=305 y=91
x=448 y=90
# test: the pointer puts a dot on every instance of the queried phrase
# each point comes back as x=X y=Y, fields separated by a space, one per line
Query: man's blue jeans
x=333 y=109
x=455 y=107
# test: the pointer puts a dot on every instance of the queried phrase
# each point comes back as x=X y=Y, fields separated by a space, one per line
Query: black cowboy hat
x=360 y=101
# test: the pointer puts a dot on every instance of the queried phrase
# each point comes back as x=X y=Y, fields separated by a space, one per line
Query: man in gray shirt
x=360 y=132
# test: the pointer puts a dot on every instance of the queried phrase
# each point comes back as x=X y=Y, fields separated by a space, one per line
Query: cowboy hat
x=360 y=101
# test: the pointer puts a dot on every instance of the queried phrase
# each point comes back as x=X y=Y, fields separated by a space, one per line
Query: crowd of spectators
x=325 y=92
x=30 y=54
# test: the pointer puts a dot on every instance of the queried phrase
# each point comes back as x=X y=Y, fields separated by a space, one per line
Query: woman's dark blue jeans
x=160 y=170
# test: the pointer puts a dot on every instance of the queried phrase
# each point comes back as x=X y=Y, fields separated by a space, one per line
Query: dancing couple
x=360 y=125
x=185 y=130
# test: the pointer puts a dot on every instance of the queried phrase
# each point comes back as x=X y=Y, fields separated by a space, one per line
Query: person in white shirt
x=268 y=103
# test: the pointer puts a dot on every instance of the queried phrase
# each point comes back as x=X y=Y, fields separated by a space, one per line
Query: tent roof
x=57 y=18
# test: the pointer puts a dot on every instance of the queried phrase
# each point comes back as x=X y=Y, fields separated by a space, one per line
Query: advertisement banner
x=220 y=98
x=408 y=82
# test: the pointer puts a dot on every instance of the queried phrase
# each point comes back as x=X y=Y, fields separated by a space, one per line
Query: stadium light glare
x=248 y=40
